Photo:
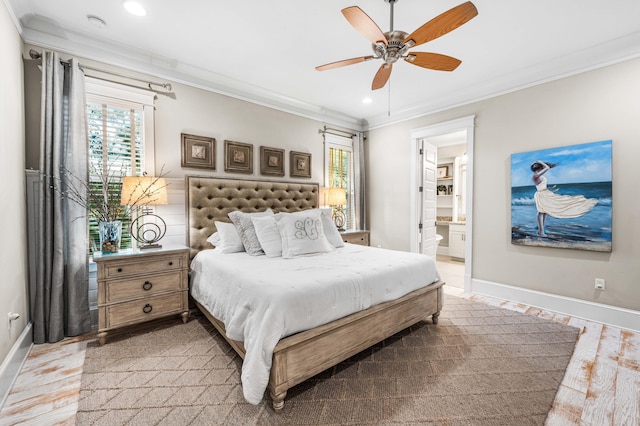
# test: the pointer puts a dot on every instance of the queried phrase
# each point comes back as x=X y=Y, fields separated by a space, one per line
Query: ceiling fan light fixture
x=134 y=8
x=367 y=101
x=394 y=45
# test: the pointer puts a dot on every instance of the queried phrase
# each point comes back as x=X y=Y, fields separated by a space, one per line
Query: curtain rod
x=36 y=55
x=332 y=131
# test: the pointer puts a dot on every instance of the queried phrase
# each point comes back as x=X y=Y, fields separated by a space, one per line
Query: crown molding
x=127 y=57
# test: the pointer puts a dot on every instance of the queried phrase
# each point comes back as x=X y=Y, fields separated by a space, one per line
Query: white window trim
x=128 y=97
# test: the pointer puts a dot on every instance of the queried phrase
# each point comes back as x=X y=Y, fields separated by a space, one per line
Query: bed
x=302 y=353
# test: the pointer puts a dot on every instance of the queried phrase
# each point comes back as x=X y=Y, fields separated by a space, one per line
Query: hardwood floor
x=601 y=385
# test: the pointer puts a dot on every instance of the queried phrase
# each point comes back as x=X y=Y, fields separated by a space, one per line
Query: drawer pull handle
x=170 y=263
x=147 y=308
x=119 y=269
x=147 y=285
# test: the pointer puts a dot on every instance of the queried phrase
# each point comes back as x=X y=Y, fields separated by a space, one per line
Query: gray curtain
x=359 y=181
x=61 y=301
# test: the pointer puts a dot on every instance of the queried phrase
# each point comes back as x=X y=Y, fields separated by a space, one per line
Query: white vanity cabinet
x=457 y=237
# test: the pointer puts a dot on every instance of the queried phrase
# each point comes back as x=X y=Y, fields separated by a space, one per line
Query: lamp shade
x=143 y=191
x=336 y=196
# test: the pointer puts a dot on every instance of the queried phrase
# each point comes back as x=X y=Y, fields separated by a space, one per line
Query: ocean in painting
x=591 y=231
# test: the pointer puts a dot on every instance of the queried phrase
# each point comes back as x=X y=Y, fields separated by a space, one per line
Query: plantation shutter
x=117 y=127
x=339 y=168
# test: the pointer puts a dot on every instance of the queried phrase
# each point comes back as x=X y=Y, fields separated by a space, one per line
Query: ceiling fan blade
x=434 y=61
x=343 y=63
x=364 y=24
x=382 y=76
x=442 y=24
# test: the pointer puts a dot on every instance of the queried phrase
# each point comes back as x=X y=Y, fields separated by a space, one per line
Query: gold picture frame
x=271 y=161
x=197 y=151
x=238 y=157
x=300 y=164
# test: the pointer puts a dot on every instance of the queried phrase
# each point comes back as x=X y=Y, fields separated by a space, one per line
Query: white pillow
x=330 y=228
x=302 y=233
x=214 y=239
x=229 y=238
x=247 y=232
x=268 y=234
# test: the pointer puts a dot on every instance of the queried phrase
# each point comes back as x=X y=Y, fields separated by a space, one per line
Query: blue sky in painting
x=583 y=163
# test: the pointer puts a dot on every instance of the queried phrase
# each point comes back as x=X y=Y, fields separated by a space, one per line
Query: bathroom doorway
x=453 y=141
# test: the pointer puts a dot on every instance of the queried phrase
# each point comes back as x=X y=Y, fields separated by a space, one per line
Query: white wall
x=597 y=105
x=13 y=266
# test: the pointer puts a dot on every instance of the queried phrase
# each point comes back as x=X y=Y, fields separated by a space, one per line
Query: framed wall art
x=198 y=151
x=561 y=197
x=271 y=161
x=238 y=157
x=443 y=171
x=300 y=164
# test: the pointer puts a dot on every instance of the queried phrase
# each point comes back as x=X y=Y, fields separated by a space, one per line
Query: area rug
x=480 y=365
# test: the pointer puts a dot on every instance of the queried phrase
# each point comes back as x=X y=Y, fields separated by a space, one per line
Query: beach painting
x=561 y=197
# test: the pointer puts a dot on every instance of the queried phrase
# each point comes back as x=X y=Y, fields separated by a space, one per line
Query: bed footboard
x=303 y=355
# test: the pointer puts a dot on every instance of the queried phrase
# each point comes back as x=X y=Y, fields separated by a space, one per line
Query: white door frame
x=464 y=123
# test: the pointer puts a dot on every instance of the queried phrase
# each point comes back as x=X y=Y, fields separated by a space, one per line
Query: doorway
x=424 y=220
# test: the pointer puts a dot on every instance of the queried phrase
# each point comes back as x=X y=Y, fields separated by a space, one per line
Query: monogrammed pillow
x=302 y=233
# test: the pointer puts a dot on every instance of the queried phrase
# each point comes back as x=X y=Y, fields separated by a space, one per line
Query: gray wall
x=13 y=266
x=593 y=106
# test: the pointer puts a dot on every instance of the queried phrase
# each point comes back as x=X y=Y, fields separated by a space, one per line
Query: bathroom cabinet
x=457 y=237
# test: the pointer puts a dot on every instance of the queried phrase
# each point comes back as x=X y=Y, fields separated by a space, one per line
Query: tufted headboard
x=210 y=199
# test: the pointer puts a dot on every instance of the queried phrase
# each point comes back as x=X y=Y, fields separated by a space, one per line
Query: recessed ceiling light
x=367 y=100
x=134 y=8
x=96 y=22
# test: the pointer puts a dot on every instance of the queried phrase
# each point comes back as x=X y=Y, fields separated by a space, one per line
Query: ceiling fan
x=393 y=45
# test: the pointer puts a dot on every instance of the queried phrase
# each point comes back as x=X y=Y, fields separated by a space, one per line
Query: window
x=120 y=137
x=339 y=172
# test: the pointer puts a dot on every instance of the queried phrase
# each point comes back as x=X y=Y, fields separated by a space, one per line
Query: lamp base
x=150 y=246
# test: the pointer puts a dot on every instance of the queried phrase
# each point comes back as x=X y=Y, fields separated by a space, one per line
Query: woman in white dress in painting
x=550 y=203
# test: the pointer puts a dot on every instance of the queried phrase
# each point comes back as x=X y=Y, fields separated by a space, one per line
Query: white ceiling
x=267 y=51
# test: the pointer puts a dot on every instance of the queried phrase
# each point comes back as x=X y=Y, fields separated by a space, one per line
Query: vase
x=110 y=236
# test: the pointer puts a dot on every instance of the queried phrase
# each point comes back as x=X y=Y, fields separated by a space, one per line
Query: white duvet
x=261 y=300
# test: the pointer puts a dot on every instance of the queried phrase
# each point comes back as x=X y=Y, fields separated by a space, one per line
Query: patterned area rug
x=481 y=365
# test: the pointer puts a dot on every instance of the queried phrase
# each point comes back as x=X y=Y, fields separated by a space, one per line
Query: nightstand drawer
x=356 y=237
x=143 y=309
x=136 y=266
x=144 y=286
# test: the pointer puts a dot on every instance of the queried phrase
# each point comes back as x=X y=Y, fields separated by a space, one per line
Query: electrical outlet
x=599 y=283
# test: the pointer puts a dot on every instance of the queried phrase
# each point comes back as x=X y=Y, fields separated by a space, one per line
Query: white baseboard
x=605 y=314
x=12 y=364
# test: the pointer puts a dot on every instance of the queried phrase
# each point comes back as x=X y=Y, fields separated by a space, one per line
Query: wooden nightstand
x=140 y=285
x=356 y=237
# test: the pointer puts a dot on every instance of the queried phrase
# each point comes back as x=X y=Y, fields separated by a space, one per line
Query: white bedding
x=261 y=300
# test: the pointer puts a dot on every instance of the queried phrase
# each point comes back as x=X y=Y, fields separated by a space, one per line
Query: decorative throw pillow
x=302 y=233
x=229 y=238
x=268 y=234
x=214 y=239
x=247 y=232
x=330 y=229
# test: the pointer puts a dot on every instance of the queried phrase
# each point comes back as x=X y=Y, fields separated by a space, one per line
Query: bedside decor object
x=146 y=191
x=198 y=151
x=300 y=164
x=443 y=172
x=238 y=157
x=336 y=198
x=271 y=161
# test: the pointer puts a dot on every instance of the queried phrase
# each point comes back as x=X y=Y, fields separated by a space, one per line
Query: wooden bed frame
x=303 y=355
